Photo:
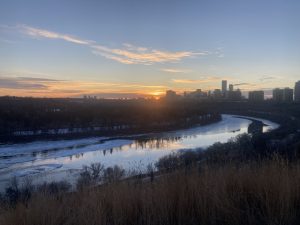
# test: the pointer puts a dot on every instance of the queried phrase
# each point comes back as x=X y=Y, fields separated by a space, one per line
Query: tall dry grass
x=266 y=192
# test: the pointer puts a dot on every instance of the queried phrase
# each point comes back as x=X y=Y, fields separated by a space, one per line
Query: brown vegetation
x=265 y=192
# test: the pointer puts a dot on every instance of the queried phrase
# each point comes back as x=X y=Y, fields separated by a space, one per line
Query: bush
x=168 y=162
x=260 y=193
x=185 y=158
x=15 y=192
x=113 y=174
x=90 y=175
x=54 y=187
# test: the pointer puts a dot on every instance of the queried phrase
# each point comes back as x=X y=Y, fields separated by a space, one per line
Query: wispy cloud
x=170 y=70
x=35 y=32
x=20 y=83
x=269 y=78
x=40 y=87
x=243 y=84
x=192 y=81
x=128 y=54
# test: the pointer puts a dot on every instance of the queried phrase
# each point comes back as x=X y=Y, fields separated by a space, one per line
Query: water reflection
x=65 y=159
x=155 y=143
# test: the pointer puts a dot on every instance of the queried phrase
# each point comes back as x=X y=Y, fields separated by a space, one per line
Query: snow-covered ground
x=56 y=160
x=18 y=153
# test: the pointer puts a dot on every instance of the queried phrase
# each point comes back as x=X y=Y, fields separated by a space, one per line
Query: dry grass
x=256 y=193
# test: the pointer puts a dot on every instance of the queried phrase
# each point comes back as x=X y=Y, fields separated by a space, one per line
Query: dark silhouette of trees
x=44 y=116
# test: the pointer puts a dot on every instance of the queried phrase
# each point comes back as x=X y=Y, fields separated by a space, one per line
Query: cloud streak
x=140 y=55
x=38 y=33
x=192 y=81
x=170 y=70
x=244 y=84
x=41 y=87
x=269 y=78
x=20 y=83
x=128 y=54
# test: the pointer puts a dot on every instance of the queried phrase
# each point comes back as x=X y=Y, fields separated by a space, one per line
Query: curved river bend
x=62 y=160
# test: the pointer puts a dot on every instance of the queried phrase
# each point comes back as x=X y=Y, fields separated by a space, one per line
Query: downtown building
x=283 y=95
x=235 y=95
x=288 y=95
x=297 y=91
x=228 y=94
x=171 y=95
x=224 y=87
x=256 y=96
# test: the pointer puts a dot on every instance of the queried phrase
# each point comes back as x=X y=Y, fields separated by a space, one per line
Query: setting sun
x=139 y=112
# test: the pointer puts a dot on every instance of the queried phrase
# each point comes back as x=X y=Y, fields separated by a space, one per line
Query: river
x=62 y=160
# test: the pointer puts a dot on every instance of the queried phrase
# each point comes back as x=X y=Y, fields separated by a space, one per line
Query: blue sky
x=131 y=48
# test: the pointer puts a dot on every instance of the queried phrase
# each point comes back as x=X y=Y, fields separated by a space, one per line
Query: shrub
x=90 y=175
x=113 y=174
x=260 y=193
x=54 y=187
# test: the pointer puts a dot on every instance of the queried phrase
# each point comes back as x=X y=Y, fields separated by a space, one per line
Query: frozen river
x=62 y=160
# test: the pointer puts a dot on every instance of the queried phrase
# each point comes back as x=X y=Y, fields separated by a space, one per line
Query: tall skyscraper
x=288 y=95
x=224 y=87
x=278 y=95
x=297 y=91
x=283 y=95
x=256 y=96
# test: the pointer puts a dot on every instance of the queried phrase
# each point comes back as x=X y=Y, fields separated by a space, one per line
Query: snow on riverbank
x=39 y=146
x=13 y=154
x=53 y=160
x=269 y=124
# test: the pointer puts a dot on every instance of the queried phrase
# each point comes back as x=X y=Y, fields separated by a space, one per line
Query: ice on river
x=56 y=160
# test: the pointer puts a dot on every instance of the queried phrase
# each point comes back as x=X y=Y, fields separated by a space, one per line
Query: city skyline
x=228 y=92
x=135 y=49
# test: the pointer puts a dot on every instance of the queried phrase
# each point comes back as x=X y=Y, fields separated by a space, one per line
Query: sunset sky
x=131 y=48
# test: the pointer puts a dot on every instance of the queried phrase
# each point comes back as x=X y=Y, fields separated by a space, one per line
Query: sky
x=135 y=48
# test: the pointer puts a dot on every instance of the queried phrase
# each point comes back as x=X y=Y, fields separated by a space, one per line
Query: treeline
x=286 y=114
x=44 y=117
x=237 y=151
x=41 y=116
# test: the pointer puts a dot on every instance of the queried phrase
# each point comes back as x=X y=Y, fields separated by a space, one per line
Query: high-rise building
x=256 y=96
x=230 y=87
x=278 y=95
x=283 y=95
x=171 y=95
x=224 y=87
x=196 y=94
x=234 y=95
x=217 y=93
x=288 y=95
x=297 y=91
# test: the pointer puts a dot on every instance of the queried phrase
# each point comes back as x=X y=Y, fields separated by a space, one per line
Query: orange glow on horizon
x=34 y=87
x=52 y=88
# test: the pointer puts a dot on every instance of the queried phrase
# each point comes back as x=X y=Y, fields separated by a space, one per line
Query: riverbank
x=108 y=133
x=230 y=183
x=285 y=114
x=253 y=193
x=55 y=160
x=26 y=119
